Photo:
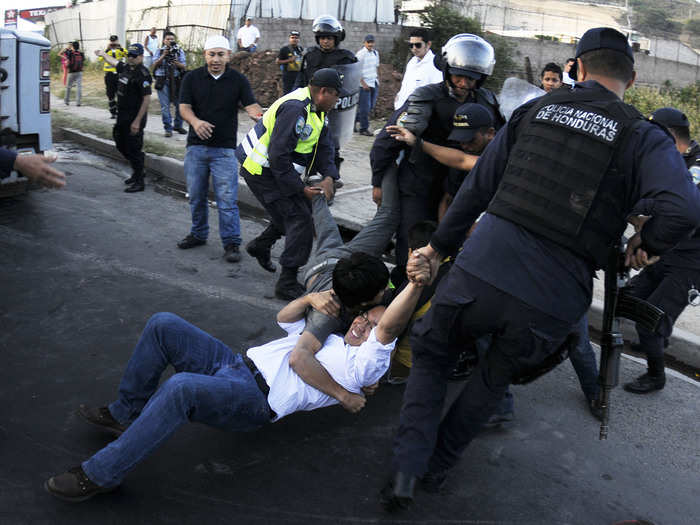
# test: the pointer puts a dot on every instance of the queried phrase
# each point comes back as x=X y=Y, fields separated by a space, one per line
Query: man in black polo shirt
x=209 y=101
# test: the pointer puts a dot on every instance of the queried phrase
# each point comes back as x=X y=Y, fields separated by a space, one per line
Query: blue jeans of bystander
x=368 y=98
x=221 y=164
x=165 y=101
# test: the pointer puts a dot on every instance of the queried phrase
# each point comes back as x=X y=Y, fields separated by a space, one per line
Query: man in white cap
x=209 y=100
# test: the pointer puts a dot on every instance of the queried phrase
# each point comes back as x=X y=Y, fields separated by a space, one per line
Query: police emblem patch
x=146 y=83
x=402 y=119
x=306 y=132
x=299 y=126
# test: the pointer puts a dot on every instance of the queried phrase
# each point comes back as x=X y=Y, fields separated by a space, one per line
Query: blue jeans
x=212 y=386
x=221 y=164
x=368 y=98
x=165 y=101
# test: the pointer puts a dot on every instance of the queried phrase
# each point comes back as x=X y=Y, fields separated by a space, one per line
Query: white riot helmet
x=327 y=25
x=468 y=55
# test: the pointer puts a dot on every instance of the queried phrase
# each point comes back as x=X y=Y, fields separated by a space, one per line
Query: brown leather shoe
x=74 y=486
x=101 y=418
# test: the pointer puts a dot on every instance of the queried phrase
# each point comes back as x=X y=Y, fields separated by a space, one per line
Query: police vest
x=117 y=54
x=256 y=142
x=561 y=180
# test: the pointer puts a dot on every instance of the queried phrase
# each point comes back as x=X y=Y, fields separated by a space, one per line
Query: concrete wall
x=650 y=70
x=275 y=33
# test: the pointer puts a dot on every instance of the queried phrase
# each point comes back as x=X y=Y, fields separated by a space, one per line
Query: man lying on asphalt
x=215 y=386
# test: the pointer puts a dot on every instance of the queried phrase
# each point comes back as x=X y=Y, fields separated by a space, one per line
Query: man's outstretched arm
x=303 y=358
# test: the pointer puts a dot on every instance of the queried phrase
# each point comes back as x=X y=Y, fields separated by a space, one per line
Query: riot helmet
x=327 y=25
x=467 y=55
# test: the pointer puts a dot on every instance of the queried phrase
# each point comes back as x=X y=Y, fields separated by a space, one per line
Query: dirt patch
x=265 y=78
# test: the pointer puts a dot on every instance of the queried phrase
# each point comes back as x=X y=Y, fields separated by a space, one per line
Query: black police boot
x=397 y=494
x=646 y=383
x=74 y=486
x=232 y=253
x=136 y=186
x=262 y=254
x=433 y=481
x=287 y=287
x=190 y=242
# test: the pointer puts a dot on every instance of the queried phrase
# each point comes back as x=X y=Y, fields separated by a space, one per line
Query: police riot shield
x=341 y=119
x=514 y=93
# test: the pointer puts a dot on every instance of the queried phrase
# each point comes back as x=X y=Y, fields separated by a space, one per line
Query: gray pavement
x=82 y=269
x=353 y=206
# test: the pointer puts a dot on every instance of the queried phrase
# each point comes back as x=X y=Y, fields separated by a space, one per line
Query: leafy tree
x=693 y=26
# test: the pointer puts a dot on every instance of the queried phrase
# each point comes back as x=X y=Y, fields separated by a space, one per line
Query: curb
x=683 y=345
x=173 y=170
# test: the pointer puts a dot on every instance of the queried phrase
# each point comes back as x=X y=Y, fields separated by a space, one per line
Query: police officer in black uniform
x=328 y=34
x=133 y=96
x=672 y=282
x=467 y=61
x=557 y=184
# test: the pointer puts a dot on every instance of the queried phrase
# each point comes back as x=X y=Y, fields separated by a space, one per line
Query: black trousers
x=111 y=83
x=666 y=287
x=463 y=309
x=288 y=80
x=129 y=145
x=290 y=216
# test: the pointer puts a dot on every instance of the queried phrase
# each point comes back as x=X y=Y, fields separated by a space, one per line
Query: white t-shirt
x=352 y=367
x=418 y=73
x=247 y=35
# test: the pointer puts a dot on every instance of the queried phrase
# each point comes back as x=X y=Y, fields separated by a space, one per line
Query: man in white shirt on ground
x=420 y=70
x=248 y=37
x=368 y=57
x=215 y=386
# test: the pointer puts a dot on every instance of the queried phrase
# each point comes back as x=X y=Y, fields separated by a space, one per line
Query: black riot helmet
x=467 y=55
x=327 y=25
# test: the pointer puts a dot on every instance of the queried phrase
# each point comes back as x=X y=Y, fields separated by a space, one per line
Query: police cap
x=327 y=77
x=467 y=120
x=135 y=50
x=601 y=38
x=670 y=118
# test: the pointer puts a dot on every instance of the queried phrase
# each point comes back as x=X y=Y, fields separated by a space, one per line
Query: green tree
x=693 y=26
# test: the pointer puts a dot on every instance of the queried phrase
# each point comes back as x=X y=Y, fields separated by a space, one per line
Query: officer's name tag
x=593 y=124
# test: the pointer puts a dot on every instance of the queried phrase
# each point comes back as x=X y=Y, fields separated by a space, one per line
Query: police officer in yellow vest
x=291 y=140
x=116 y=51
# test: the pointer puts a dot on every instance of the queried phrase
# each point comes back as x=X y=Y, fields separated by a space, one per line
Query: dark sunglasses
x=417 y=45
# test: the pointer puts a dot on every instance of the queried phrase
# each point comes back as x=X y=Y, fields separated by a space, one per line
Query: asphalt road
x=82 y=269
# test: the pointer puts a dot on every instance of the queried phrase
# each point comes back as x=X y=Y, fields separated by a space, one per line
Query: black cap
x=467 y=120
x=369 y=38
x=327 y=77
x=601 y=38
x=670 y=117
x=113 y=38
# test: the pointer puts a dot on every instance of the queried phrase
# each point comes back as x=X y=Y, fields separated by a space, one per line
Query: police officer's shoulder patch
x=299 y=126
x=146 y=83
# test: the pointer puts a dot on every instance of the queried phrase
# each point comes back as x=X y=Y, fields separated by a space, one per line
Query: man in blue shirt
x=525 y=275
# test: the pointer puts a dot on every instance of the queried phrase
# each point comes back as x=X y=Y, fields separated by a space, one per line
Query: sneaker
x=168 y=133
x=366 y=133
x=645 y=384
x=101 y=418
x=232 y=253
x=181 y=131
x=190 y=242
x=74 y=486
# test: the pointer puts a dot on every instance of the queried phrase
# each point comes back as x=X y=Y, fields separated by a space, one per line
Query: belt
x=260 y=380
x=318 y=267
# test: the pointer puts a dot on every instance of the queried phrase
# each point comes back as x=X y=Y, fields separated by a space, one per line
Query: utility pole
x=121 y=21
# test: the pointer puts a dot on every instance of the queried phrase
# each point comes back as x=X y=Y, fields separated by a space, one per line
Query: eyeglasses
x=366 y=318
x=417 y=45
